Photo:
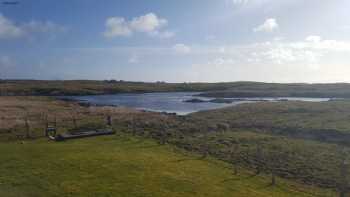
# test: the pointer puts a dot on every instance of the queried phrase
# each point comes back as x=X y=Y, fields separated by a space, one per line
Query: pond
x=173 y=102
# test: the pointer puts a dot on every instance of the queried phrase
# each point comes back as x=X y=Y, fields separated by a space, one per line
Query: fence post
x=46 y=125
x=234 y=155
x=27 y=127
x=55 y=121
x=258 y=158
x=109 y=120
x=343 y=174
x=133 y=126
x=75 y=121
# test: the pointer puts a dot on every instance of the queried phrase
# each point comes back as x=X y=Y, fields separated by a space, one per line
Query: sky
x=176 y=41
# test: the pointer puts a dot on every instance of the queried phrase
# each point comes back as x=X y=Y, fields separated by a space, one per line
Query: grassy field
x=309 y=158
x=308 y=162
x=310 y=136
x=322 y=121
x=126 y=166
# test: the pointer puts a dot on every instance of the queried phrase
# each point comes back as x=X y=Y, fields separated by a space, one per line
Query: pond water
x=171 y=102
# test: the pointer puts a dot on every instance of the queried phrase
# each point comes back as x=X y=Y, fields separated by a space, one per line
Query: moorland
x=286 y=148
x=217 y=90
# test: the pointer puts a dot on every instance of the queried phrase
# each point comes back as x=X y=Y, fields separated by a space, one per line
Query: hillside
x=254 y=89
x=90 y=87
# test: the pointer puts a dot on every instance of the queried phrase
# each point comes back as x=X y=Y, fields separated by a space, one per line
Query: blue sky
x=176 y=41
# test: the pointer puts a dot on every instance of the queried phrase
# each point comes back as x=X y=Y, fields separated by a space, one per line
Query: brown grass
x=15 y=110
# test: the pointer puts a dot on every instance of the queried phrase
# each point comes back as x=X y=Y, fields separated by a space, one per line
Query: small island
x=195 y=100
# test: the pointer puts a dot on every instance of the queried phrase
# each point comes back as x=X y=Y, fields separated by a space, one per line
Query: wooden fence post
x=343 y=174
x=74 y=121
x=109 y=120
x=55 y=122
x=27 y=127
x=234 y=156
x=46 y=125
x=133 y=126
x=205 y=149
x=258 y=157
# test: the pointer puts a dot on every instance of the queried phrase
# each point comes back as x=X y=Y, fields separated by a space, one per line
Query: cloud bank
x=150 y=24
x=11 y=30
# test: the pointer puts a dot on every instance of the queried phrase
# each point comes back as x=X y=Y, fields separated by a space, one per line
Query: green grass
x=122 y=165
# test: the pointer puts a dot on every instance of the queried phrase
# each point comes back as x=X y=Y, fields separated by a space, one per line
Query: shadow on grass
x=270 y=185
x=239 y=178
x=185 y=159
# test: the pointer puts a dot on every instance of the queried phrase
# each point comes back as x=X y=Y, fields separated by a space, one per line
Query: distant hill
x=256 y=89
x=218 y=90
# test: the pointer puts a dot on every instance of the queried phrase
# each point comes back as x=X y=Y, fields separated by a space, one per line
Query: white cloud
x=285 y=55
x=9 y=29
x=239 y=2
x=270 y=25
x=313 y=53
x=181 y=48
x=149 y=23
x=117 y=26
x=222 y=62
x=317 y=43
x=311 y=60
x=313 y=38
